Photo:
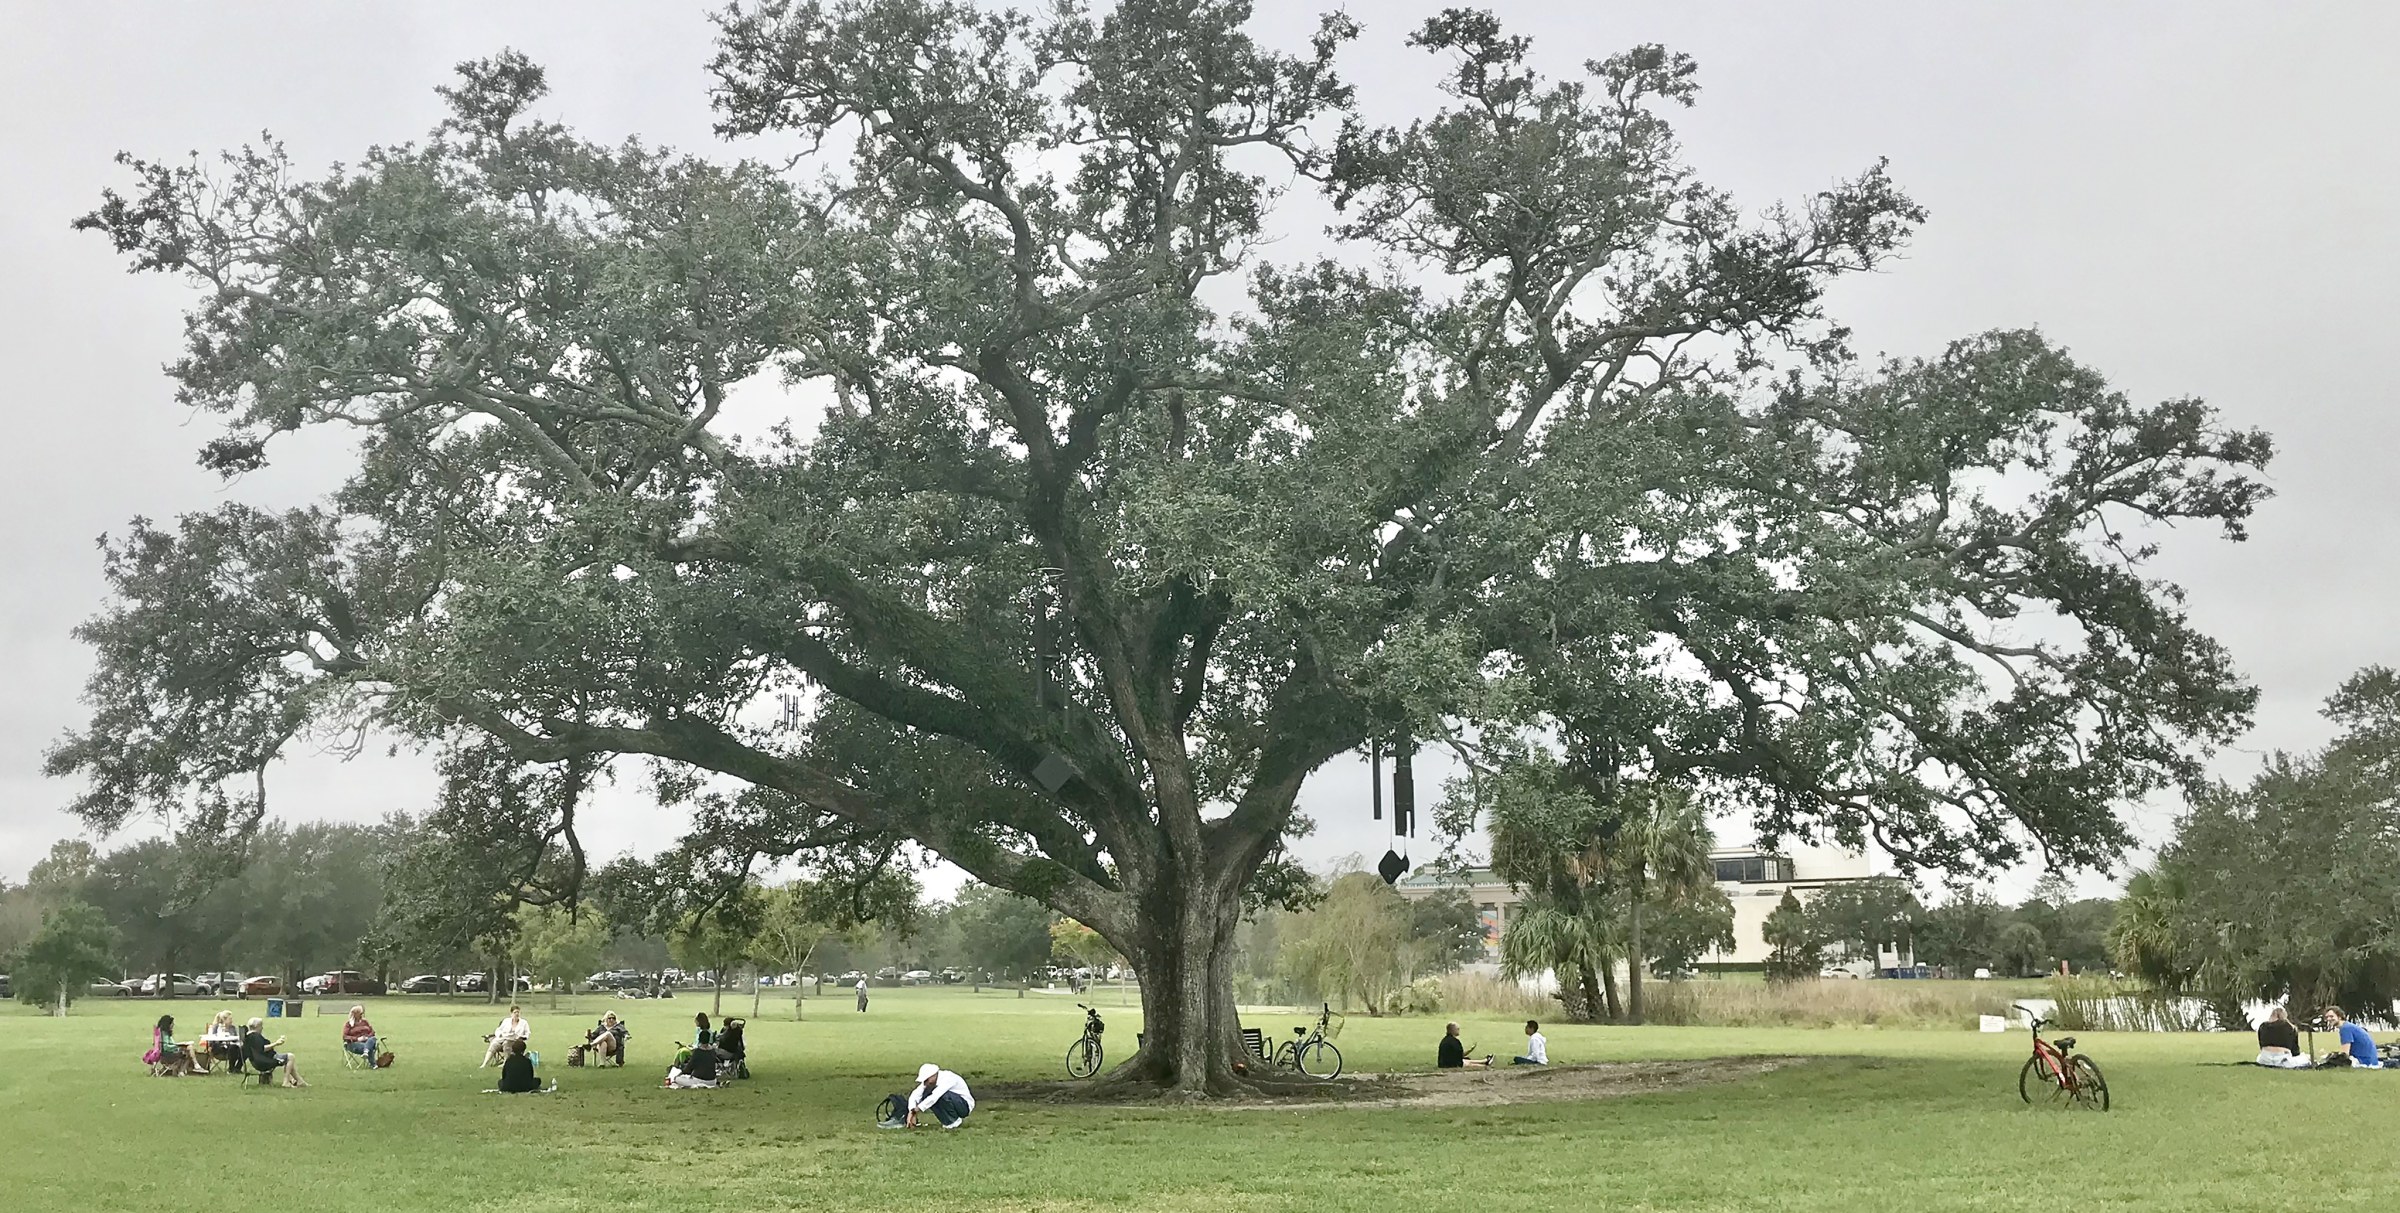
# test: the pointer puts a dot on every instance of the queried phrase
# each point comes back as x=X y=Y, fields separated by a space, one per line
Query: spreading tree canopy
x=1090 y=520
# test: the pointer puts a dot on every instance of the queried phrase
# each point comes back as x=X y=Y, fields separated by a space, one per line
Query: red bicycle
x=2068 y=1079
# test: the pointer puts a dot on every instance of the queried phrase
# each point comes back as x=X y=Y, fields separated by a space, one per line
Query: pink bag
x=150 y=1058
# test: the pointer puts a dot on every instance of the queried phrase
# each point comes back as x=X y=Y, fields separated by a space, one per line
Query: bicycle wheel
x=2091 y=1089
x=1319 y=1059
x=1083 y=1058
x=2038 y=1076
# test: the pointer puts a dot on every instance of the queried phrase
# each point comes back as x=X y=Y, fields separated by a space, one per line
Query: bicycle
x=1083 y=1057
x=2070 y=1079
x=1311 y=1050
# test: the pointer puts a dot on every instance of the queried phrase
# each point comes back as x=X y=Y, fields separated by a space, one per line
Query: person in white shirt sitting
x=512 y=1028
x=941 y=1093
x=1537 y=1047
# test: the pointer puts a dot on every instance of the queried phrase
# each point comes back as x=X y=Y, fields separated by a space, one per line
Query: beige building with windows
x=1753 y=880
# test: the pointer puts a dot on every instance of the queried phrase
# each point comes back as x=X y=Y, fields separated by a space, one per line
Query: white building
x=1753 y=880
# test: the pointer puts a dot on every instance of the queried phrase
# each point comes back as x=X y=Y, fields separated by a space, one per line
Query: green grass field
x=1889 y=1120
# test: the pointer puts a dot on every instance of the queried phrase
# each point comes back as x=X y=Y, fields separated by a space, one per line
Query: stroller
x=730 y=1047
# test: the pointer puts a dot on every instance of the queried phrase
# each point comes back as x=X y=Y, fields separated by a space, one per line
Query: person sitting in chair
x=265 y=1056
x=702 y=1036
x=512 y=1028
x=516 y=1071
x=167 y=1058
x=224 y=1041
x=731 y=1048
x=358 y=1036
x=606 y=1040
x=2358 y=1048
x=1452 y=1055
x=2279 y=1042
x=1537 y=1047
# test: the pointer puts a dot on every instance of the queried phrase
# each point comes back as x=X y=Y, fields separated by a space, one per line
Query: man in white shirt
x=942 y=1093
x=1537 y=1047
x=862 y=995
x=512 y=1028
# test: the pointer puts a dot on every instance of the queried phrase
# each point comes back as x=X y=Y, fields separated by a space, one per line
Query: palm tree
x=1659 y=851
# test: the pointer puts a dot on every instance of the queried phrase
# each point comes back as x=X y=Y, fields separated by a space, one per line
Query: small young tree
x=1793 y=950
x=794 y=919
x=75 y=948
x=558 y=945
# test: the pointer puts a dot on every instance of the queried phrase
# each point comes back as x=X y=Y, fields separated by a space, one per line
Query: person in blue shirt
x=2355 y=1041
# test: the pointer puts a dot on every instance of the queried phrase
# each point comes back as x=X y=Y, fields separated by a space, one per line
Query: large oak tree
x=1096 y=525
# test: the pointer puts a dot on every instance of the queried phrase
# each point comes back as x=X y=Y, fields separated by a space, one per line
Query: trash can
x=292 y=1009
x=274 y=1008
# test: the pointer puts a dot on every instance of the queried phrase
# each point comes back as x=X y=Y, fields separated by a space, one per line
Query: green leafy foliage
x=1794 y=952
x=75 y=947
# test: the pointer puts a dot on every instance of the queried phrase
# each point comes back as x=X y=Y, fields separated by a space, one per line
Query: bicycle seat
x=1299 y=1031
x=2064 y=1043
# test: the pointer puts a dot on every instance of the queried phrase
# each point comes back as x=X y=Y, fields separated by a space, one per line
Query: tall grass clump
x=1483 y=994
x=1822 y=1003
x=2090 y=1003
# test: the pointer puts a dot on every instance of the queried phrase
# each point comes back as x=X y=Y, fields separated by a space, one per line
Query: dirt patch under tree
x=1435 y=1089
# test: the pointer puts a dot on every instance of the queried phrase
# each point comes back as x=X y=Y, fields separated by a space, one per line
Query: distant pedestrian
x=862 y=995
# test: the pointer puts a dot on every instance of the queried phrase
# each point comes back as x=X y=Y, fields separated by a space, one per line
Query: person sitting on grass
x=2358 y=1048
x=265 y=1056
x=693 y=1068
x=702 y=1037
x=606 y=1040
x=941 y=1093
x=1537 y=1047
x=358 y=1036
x=512 y=1028
x=2279 y=1042
x=516 y=1071
x=1452 y=1055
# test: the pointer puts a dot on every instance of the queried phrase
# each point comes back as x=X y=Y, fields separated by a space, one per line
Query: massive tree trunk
x=1182 y=951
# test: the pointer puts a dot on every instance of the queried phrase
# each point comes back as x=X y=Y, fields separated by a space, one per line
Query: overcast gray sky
x=2198 y=198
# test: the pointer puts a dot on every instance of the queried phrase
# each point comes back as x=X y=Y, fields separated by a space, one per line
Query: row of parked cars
x=337 y=982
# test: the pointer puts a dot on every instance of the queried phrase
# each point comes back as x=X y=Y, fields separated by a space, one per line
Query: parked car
x=110 y=989
x=261 y=986
x=5 y=991
x=158 y=984
x=477 y=983
x=851 y=978
x=213 y=984
x=427 y=983
x=342 y=981
x=917 y=977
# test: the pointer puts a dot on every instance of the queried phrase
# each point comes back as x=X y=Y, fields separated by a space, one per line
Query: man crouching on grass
x=942 y=1093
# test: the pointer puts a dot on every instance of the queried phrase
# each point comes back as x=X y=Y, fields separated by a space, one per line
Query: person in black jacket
x=2279 y=1042
x=265 y=1058
x=516 y=1071
x=1452 y=1055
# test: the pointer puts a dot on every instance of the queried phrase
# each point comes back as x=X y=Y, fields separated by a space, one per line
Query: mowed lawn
x=1888 y=1120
